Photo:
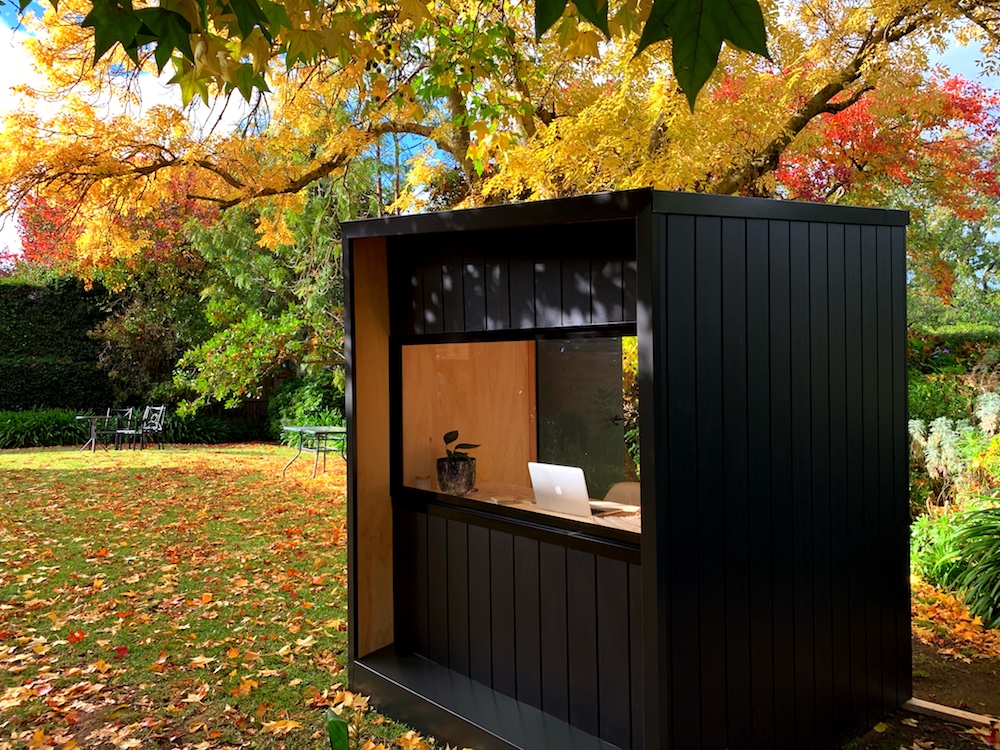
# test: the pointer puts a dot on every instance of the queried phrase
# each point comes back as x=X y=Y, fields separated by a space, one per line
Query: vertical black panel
x=522 y=292
x=782 y=498
x=888 y=572
x=575 y=291
x=606 y=284
x=474 y=286
x=822 y=547
x=636 y=661
x=437 y=588
x=870 y=470
x=710 y=499
x=613 y=651
x=415 y=315
x=502 y=601
x=555 y=666
x=733 y=456
x=527 y=621
x=480 y=607
x=683 y=543
x=802 y=500
x=420 y=587
x=581 y=611
x=854 y=473
x=630 y=271
x=759 y=572
x=840 y=520
x=404 y=577
x=433 y=295
x=548 y=292
x=900 y=463
x=458 y=596
x=497 y=293
x=453 y=291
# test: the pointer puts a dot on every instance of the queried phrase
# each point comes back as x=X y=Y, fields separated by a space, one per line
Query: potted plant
x=457 y=470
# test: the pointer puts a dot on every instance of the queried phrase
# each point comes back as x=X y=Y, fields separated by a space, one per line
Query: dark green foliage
x=195 y=429
x=313 y=399
x=979 y=544
x=933 y=396
x=934 y=551
x=952 y=349
x=47 y=358
x=38 y=428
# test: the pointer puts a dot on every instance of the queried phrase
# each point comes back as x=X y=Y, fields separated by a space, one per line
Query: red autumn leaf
x=121 y=652
x=75 y=636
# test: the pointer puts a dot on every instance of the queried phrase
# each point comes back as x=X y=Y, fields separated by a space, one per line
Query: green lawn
x=187 y=597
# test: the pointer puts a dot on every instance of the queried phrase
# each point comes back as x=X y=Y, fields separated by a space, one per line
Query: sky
x=15 y=69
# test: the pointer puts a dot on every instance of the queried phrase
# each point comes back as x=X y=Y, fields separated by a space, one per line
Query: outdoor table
x=94 y=419
x=318 y=439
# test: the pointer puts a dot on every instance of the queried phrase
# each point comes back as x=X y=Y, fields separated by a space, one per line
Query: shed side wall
x=782 y=482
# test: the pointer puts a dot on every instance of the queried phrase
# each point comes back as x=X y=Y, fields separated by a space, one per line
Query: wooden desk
x=516 y=496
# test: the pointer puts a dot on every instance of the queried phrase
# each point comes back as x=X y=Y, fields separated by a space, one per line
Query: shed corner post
x=650 y=330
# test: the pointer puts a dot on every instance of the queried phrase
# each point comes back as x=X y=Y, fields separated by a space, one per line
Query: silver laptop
x=563 y=489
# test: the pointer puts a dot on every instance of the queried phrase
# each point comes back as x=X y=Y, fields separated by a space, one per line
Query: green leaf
x=112 y=23
x=466 y=446
x=248 y=16
x=336 y=729
x=595 y=11
x=245 y=80
x=277 y=17
x=547 y=12
x=450 y=437
x=169 y=29
x=698 y=28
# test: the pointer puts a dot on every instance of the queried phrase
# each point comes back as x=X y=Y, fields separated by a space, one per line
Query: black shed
x=759 y=600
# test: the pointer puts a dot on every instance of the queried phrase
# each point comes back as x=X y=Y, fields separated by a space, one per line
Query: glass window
x=569 y=402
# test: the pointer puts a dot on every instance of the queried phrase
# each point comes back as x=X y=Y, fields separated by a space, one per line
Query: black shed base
x=459 y=710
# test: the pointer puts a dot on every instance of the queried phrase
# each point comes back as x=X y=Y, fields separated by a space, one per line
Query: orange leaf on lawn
x=282 y=726
x=75 y=636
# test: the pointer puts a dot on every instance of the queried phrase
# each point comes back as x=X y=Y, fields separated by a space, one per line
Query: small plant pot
x=456 y=476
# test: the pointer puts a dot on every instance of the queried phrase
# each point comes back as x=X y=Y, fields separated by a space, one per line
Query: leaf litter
x=189 y=597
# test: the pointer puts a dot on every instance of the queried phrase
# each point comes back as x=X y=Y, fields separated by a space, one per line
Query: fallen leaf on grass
x=880 y=727
x=282 y=726
x=75 y=636
x=911 y=722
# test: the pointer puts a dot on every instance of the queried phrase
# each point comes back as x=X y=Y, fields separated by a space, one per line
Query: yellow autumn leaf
x=413 y=11
x=282 y=726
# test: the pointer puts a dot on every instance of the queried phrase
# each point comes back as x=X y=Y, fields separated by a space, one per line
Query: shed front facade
x=759 y=599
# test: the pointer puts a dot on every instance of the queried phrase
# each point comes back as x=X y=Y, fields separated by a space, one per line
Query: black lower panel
x=458 y=710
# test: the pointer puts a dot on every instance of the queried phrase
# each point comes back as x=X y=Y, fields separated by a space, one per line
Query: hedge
x=47 y=358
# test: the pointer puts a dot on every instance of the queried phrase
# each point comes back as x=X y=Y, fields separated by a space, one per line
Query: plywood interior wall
x=373 y=507
x=486 y=391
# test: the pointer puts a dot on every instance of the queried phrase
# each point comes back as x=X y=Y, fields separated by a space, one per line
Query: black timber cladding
x=565 y=276
x=774 y=544
x=780 y=401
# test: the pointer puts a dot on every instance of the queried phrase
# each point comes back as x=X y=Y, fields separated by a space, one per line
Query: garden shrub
x=193 y=428
x=39 y=428
x=935 y=395
x=312 y=399
x=934 y=552
x=978 y=545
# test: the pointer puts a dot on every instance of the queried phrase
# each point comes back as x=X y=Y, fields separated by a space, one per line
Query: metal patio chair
x=115 y=421
x=148 y=429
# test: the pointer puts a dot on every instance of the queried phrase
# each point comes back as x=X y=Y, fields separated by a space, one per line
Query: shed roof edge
x=618 y=205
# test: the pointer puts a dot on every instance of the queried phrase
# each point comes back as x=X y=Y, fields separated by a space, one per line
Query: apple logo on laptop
x=558 y=489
